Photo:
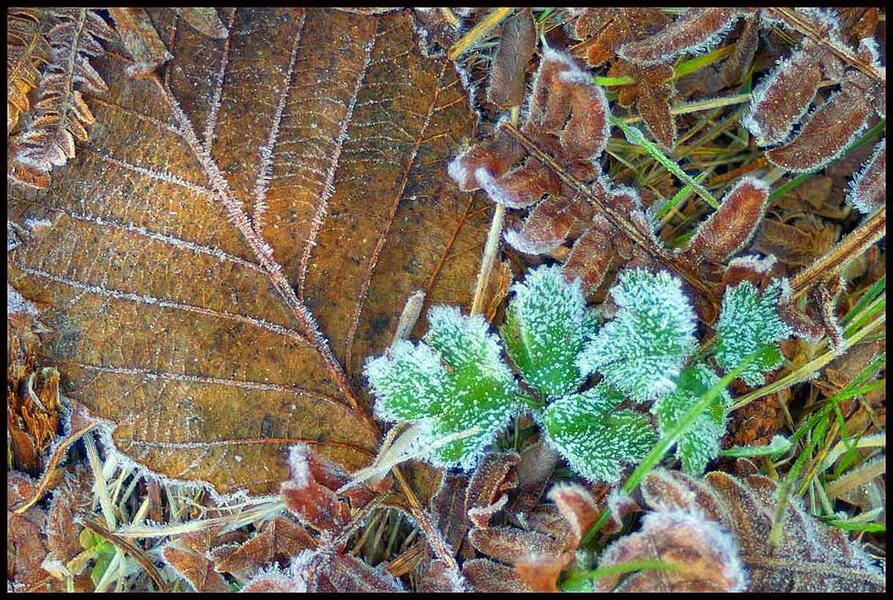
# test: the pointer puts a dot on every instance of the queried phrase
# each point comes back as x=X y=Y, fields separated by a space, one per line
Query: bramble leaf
x=452 y=382
x=547 y=324
x=641 y=351
x=593 y=437
x=748 y=324
x=700 y=444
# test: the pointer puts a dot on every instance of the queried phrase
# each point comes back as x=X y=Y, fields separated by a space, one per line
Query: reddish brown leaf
x=550 y=223
x=278 y=538
x=576 y=505
x=731 y=226
x=781 y=99
x=509 y=544
x=507 y=84
x=488 y=576
x=827 y=132
x=70 y=502
x=314 y=504
x=736 y=66
x=697 y=29
x=868 y=191
x=25 y=540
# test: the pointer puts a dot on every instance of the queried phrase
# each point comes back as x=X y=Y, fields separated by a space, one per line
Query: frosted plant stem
x=489 y=257
x=108 y=509
x=492 y=242
x=855 y=243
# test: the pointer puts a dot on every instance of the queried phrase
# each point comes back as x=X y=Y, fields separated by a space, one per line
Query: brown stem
x=126 y=546
x=619 y=221
x=854 y=244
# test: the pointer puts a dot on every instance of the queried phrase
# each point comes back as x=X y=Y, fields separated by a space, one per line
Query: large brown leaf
x=287 y=175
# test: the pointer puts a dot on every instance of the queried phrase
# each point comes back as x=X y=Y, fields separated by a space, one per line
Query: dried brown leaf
x=486 y=492
x=433 y=576
x=606 y=29
x=27 y=51
x=704 y=556
x=731 y=226
x=534 y=471
x=868 y=190
x=780 y=100
x=696 y=30
x=182 y=324
x=827 y=132
x=279 y=538
x=509 y=544
x=448 y=510
x=810 y=556
x=507 y=84
x=487 y=576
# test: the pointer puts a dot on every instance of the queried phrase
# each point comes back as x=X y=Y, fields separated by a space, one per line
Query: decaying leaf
x=702 y=554
x=172 y=264
x=697 y=29
x=810 y=556
x=27 y=51
x=486 y=489
x=486 y=575
x=279 y=538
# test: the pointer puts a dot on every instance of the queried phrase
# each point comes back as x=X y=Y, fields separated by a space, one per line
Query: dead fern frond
x=60 y=115
x=27 y=51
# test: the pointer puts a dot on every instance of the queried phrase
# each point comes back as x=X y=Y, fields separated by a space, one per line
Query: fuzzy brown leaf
x=697 y=29
x=183 y=269
x=507 y=83
x=703 y=556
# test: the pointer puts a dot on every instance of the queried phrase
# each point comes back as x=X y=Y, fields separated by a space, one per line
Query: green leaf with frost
x=641 y=351
x=700 y=443
x=749 y=323
x=453 y=381
x=547 y=323
x=594 y=437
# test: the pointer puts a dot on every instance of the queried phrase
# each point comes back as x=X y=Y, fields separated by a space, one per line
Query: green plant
x=455 y=387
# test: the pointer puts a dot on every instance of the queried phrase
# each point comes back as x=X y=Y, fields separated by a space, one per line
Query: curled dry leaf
x=324 y=571
x=190 y=555
x=27 y=51
x=433 y=576
x=207 y=328
x=486 y=492
x=809 y=557
x=448 y=510
x=868 y=190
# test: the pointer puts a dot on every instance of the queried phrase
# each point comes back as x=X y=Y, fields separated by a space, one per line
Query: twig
x=795 y=21
x=55 y=459
x=854 y=244
x=129 y=548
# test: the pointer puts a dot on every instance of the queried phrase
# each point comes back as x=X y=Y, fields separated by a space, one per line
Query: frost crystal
x=748 y=324
x=547 y=324
x=453 y=383
x=641 y=351
x=700 y=444
x=594 y=437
